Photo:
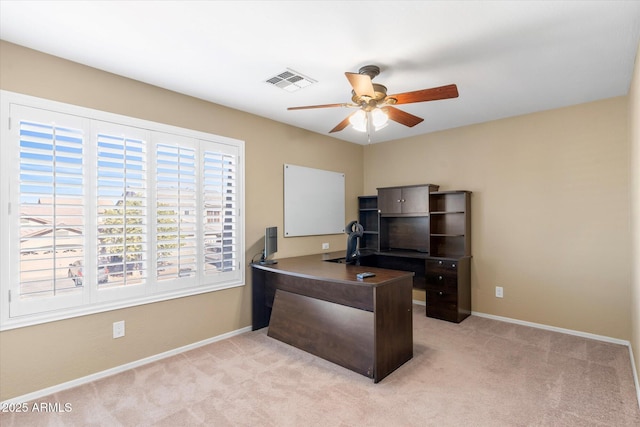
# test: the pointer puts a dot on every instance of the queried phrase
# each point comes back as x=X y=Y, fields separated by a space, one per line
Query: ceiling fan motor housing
x=370 y=70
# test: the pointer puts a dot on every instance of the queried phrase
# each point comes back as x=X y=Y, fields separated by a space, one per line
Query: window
x=101 y=211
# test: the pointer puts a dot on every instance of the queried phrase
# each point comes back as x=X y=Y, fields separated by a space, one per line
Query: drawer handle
x=440 y=293
x=439 y=262
x=453 y=265
x=439 y=277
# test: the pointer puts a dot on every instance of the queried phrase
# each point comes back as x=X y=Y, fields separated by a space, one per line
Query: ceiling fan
x=375 y=106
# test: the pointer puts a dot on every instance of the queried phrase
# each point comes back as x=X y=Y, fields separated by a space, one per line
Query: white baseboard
x=118 y=369
x=553 y=328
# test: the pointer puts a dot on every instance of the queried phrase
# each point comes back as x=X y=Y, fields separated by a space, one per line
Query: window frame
x=93 y=299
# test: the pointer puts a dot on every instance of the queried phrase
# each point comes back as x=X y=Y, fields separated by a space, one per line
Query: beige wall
x=550 y=210
x=634 y=121
x=37 y=357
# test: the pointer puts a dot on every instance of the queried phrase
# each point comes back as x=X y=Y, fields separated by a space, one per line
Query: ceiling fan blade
x=306 y=107
x=433 y=94
x=402 y=117
x=361 y=84
x=343 y=124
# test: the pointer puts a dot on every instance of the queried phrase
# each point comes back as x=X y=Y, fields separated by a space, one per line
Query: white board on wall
x=313 y=201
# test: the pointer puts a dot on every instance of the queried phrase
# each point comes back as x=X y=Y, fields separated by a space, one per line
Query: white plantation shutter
x=176 y=208
x=51 y=206
x=49 y=193
x=220 y=212
x=104 y=211
x=122 y=255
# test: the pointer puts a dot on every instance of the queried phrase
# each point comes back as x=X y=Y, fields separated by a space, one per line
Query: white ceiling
x=506 y=57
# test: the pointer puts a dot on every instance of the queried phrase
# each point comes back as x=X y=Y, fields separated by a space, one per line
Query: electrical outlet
x=325 y=246
x=118 y=329
x=499 y=292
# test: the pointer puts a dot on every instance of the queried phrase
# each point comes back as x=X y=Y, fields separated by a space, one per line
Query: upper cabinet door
x=415 y=200
x=390 y=200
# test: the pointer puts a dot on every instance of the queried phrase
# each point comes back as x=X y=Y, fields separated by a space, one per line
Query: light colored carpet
x=480 y=372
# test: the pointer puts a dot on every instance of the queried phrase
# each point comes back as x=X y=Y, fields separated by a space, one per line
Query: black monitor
x=270 y=245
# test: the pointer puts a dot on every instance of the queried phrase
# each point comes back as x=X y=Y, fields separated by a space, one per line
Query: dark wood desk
x=322 y=308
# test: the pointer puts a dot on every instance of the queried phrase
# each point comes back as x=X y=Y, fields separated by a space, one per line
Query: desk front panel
x=338 y=333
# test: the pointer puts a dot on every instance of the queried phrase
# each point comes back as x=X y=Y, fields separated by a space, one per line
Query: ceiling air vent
x=290 y=80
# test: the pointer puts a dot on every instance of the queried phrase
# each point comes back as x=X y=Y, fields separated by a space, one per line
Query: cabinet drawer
x=441 y=266
x=442 y=299
x=442 y=305
x=440 y=281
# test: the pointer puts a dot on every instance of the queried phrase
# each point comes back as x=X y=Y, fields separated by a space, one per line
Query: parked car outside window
x=76 y=274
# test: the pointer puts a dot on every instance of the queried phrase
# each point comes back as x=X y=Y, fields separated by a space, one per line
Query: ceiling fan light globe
x=359 y=121
x=379 y=118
